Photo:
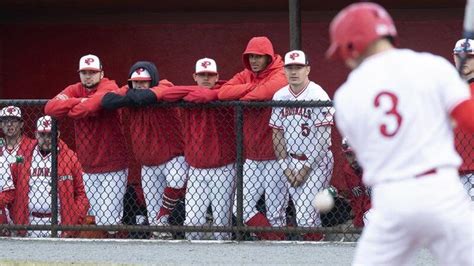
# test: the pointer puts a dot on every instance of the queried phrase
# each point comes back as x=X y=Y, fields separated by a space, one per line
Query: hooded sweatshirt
x=156 y=133
x=250 y=86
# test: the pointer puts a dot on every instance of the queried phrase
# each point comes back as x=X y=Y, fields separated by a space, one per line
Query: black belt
x=300 y=157
x=41 y=215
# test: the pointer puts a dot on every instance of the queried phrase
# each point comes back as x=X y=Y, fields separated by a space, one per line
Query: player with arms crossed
x=100 y=142
x=157 y=141
x=399 y=124
x=301 y=139
x=209 y=149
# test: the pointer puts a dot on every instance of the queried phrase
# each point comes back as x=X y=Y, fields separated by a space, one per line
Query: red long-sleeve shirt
x=464 y=142
x=100 y=142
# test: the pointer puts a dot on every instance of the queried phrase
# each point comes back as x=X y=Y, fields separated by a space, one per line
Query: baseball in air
x=323 y=201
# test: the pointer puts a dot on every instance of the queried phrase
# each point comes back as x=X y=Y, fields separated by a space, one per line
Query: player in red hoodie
x=100 y=143
x=32 y=179
x=262 y=77
x=12 y=148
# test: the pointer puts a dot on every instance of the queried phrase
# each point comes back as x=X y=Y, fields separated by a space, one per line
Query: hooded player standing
x=399 y=124
x=262 y=77
x=302 y=138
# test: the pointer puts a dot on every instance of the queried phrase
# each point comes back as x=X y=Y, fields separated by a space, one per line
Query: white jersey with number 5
x=394 y=109
x=300 y=124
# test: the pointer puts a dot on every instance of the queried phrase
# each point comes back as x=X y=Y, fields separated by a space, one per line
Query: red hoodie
x=71 y=195
x=250 y=86
x=100 y=142
x=156 y=133
x=465 y=145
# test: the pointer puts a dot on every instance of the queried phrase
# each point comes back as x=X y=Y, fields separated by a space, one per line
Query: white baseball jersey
x=6 y=158
x=40 y=183
x=300 y=124
x=395 y=109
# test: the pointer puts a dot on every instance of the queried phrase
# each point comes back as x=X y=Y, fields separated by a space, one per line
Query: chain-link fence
x=223 y=170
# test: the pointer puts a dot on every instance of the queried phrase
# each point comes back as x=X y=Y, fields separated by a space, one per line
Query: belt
x=41 y=215
x=429 y=172
x=300 y=157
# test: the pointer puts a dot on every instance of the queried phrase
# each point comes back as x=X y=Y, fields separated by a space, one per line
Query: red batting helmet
x=356 y=27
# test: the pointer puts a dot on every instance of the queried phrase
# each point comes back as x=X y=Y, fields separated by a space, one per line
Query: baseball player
x=210 y=150
x=262 y=77
x=351 y=187
x=100 y=142
x=463 y=140
x=399 y=124
x=301 y=139
x=12 y=148
x=157 y=142
x=32 y=178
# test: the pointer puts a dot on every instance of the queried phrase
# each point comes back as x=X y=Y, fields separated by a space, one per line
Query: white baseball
x=323 y=201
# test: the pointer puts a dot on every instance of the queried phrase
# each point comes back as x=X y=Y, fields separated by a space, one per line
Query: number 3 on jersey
x=391 y=112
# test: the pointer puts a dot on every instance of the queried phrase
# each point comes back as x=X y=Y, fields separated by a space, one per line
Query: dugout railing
x=335 y=228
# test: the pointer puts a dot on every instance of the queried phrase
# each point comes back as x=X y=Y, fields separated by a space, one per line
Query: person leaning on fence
x=33 y=183
x=351 y=188
x=465 y=141
x=209 y=149
x=100 y=143
x=13 y=146
x=301 y=139
x=262 y=76
x=157 y=142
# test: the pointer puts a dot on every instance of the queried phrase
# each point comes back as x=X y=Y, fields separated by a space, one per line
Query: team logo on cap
x=293 y=56
x=139 y=71
x=205 y=64
x=46 y=123
x=89 y=61
x=11 y=110
x=465 y=45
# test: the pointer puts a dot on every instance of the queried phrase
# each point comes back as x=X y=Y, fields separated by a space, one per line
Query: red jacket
x=71 y=195
x=100 y=143
x=249 y=86
x=156 y=133
x=465 y=146
x=352 y=189
x=209 y=135
x=7 y=196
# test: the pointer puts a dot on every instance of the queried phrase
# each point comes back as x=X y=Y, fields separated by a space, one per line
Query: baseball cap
x=10 y=111
x=44 y=124
x=206 y=65
x=296 y=57
x=140 y=74
x=459 y=47
x=90 y=62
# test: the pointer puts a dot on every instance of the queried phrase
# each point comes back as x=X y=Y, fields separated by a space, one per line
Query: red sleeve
x=62 y=103
x=267 y=88
x=157 y=90
x=235 y=88
x=6 y=197
x=92 y=105
x=463 y=114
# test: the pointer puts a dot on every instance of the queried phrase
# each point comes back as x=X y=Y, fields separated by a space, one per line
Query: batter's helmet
x=356 y=27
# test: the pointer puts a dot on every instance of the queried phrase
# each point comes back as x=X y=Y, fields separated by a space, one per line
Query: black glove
x=141 y=97
x=113 y=101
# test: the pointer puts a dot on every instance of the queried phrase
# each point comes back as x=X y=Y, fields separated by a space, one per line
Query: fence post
x=239 y=120
x=295 y=24
x=54 y=178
